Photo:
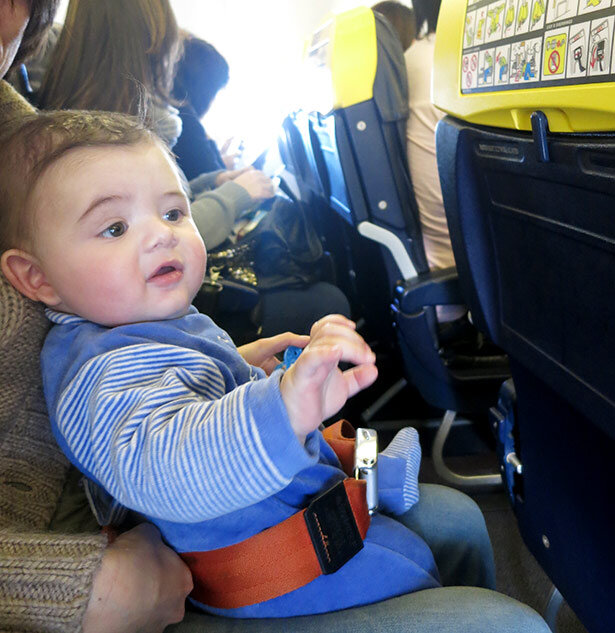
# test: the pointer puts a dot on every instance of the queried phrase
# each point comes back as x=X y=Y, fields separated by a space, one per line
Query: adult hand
x=141 y=585
x=314 y=388
x=230 y=158
x=230 y=174
x=259 y=186
x=261 y=353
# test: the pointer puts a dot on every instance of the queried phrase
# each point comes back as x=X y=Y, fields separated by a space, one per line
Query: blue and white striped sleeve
x=154 y=426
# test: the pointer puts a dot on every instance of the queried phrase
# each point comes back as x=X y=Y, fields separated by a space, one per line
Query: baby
x=155 y=404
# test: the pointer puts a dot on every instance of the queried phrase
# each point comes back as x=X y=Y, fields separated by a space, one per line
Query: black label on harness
x=333 y=529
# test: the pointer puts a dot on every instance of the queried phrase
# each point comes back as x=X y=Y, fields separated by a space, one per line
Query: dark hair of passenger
x=201 y=73
x=113 y=55
x=41 y=18
x=426 y=11
x=401 y=18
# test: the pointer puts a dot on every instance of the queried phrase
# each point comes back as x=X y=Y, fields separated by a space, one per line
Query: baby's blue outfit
x=169 y=419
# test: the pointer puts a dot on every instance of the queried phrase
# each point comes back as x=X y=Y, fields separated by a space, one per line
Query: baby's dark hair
x=31 y=144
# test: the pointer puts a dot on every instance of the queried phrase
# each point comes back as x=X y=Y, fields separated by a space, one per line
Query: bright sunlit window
x=263 y=43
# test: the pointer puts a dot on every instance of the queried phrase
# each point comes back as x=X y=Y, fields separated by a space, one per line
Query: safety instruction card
x=511 y=44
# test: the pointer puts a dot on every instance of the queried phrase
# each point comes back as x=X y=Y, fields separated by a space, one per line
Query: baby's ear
x=25 y=275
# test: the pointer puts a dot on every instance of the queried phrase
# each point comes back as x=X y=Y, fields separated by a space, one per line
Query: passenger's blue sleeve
x=398 y=470
x=153 y=425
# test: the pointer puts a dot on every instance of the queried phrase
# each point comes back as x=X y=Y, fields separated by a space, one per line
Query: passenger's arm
x=215 y=212
x=47 y=578
x=141 y=585
x=154 y=425
x=205 y=182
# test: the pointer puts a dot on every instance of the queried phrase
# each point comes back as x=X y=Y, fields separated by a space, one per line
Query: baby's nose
x=161 y=234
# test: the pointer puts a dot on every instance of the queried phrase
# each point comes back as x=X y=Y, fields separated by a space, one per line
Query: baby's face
x=114 y=235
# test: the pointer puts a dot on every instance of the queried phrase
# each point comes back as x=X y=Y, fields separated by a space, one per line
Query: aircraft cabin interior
x=443 y=175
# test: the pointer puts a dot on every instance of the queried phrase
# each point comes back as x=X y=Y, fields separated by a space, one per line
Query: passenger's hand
x=230 y=174
x=259 y=186
x=261 y=353
x=230 y=158
x=314 y=388
x=141 y=585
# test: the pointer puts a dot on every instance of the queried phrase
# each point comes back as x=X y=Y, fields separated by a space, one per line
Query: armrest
x=438 y=287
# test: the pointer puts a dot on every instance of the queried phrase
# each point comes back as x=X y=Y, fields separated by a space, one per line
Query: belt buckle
x=333 y=528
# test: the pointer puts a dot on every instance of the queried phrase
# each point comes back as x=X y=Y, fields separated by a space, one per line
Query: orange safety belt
x=317 y=540
x=340 y=437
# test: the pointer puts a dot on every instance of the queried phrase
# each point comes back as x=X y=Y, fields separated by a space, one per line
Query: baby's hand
x=261 y=353
x=314 y=388
x=259 y=186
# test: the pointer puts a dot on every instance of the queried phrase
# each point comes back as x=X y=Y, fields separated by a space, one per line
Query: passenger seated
x=401 y=18
x=57 y=571
x=139 y=552
x=420 y=134
x=152 y=588
x=201 y=73
x=118 y=272
x=101 y=45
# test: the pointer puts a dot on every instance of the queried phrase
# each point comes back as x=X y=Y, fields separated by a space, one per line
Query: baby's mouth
x=168 y=272
x=164 y=270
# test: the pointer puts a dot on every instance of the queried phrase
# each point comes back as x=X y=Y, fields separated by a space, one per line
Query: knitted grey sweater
x=45 y=577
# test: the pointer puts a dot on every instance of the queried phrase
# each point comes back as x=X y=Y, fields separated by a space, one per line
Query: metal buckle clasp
x=366 y=464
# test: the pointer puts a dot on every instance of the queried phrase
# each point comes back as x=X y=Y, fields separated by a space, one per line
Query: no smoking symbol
x=554 y=60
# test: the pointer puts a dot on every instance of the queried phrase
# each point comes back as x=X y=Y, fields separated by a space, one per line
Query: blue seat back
x=359 y=153
x=534 y=242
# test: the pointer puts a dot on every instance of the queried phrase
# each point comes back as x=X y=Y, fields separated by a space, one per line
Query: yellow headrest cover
x=497 y=62
x=344 y=50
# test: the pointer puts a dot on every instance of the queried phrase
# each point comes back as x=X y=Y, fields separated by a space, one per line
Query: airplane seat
x=296 y=159
x=528 y=180
x=358 y=120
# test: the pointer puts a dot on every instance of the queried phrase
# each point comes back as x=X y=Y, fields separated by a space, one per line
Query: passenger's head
x=95 y=219
x=201 y=73
x=113 y=55
x=401 y=18
x=426 y=12
x=22 y=25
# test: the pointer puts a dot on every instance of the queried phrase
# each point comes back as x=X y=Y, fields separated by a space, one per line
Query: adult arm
x=215 y=212
x=205 y=181
x=141 y=585
x=46 y=579
x=78 y=584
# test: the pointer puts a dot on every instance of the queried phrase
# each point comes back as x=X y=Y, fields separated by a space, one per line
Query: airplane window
x=264 y=49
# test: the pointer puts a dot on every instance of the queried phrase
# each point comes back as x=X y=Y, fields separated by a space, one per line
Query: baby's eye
x=115 y=230
x=174 y=215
